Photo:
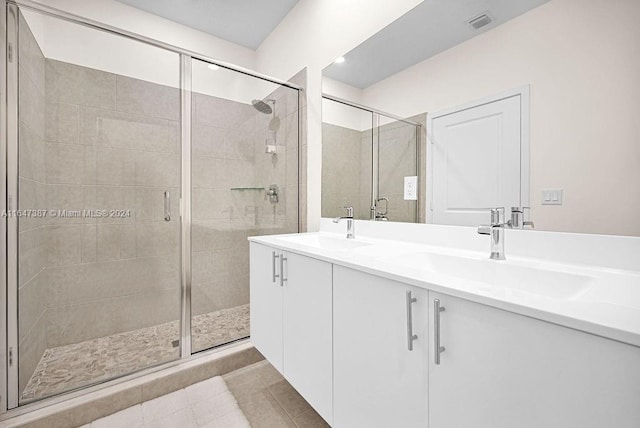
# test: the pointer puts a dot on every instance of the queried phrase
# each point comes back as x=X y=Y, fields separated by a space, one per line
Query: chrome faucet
x=496 y=231
x=380 y=215
x=518 y=218
x=349 y=218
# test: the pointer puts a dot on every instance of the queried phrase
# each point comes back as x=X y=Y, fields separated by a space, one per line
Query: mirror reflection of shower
x=270 y=141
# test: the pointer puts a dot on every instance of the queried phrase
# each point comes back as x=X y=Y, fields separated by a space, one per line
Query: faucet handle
x=497 y=216
x=349 y=211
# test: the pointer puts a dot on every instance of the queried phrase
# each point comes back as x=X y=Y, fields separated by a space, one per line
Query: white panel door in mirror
x=476 y=161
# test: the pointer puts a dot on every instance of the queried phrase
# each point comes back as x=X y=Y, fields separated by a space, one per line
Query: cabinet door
x=266 y=303
x=307 y=331
x=503 y=370
x=378 y=381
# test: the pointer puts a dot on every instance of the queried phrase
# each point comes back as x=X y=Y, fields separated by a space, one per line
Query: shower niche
x=133 y=162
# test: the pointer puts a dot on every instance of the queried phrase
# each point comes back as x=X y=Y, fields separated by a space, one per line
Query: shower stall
x=135 y=171
x=367 y=159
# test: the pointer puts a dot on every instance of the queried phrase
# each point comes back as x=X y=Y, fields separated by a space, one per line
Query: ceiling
x=430 y=28
x=244 y=22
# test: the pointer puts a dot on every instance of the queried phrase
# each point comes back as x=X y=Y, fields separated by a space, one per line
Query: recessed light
x=339 y=60
x=213 y=67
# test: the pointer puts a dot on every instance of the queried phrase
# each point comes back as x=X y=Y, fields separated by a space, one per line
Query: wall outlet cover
x=411 y=188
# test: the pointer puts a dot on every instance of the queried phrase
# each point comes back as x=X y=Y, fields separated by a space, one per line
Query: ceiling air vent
x=480 y=21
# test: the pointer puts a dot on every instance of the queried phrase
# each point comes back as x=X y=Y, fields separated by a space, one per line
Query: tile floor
x=267 y=399
x=207 y=404
x=72 y=366
x=256 y=396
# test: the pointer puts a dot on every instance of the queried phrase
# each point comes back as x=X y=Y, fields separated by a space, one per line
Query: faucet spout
x=350 y=223
x=496 y=231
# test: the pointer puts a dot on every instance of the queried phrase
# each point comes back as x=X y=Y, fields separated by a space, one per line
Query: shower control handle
x=167 y=206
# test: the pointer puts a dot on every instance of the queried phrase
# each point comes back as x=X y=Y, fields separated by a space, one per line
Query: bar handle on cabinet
x=274 y=275
x=282 y=278
x=167 y=206
x=410 y=336
x=436 y=327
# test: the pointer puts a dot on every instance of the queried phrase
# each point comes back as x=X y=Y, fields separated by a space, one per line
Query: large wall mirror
x=519 y=104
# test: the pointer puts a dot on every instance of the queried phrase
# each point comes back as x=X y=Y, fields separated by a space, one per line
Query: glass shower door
x=97 y=226
x=244 y=183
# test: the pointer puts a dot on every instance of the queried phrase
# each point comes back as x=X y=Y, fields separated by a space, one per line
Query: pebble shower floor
x=72 y=366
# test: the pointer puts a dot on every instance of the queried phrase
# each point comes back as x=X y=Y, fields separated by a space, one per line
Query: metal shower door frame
x=10 y=176
x=9 y=388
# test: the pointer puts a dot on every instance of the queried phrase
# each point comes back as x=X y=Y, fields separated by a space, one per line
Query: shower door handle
x=167 y=206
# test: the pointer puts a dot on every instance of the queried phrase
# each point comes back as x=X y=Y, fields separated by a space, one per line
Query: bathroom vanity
x=413 y=326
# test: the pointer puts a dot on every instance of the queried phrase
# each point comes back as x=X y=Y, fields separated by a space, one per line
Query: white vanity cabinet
x=291 y=322
x=378 y=380
x=265 y=300
x=504 y=370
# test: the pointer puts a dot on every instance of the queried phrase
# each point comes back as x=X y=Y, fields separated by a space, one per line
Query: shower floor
x=72 y=366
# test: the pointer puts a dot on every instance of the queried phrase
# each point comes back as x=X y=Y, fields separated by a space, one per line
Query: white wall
x=85 y=46
x=343 y=115
x=583 y=63
x=312 y=35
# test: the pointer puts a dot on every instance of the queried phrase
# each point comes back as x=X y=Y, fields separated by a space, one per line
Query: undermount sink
x=324 y=242
x=504 y=276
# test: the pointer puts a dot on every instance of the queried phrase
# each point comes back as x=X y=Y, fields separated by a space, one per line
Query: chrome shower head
x=262 y=106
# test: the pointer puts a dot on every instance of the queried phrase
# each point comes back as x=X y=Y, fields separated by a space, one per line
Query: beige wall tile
x=70 y=164
x=73 y=84
x=157 y=239
x=116 y=167
x=210 y=141
x=31 y=155
x=62 y=123
x=147 y=99
x=31 y=254
x=30 y=350
x=99 y=318
x=213 y=204
x=33 y=298
x=157 y=169
x=77 y=284
x=115 y=198
x=219 y=112
x=64 y=246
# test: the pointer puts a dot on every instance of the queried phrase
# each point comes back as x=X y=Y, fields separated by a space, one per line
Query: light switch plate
x=411 y=188
x=552 y=197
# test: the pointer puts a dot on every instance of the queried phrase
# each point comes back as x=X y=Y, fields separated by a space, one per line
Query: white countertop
x=596 y=299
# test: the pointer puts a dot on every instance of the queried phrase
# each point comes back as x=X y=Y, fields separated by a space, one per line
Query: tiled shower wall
x=32 y=235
